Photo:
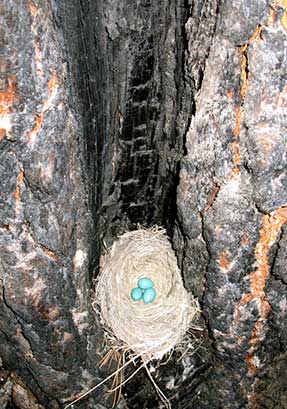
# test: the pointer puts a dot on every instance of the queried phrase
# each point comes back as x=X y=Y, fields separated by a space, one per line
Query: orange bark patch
x=223 y=261
x=38 y=124
x=230 y=94
x=271 y=226
x=38 y=58
x=33 y=9
x=68 y=337
x=8 y=97
x=252 y=367
x=238 y=118
x=284 y=20
x=7 y=227
x=239 y=110
x=52 y=89
x=246 y=299
x=272 y=13
x=271 y=20
x=256 y=35
x=212 y=198
x=3 y=131
x=50 y=253
x=17 y=193
x=275 y=5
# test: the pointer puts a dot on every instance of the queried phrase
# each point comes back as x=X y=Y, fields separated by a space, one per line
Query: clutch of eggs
x=144 y=291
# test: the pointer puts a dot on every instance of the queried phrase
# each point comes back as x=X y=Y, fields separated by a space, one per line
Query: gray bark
x=123 y=112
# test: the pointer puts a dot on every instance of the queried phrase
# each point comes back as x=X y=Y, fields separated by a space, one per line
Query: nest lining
x=149 y=330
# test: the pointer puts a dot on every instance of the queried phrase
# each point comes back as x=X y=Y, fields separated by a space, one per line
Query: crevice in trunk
x=127 y=71
x=135 y=102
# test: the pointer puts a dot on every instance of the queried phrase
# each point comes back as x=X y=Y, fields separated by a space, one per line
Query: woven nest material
x=149 y=330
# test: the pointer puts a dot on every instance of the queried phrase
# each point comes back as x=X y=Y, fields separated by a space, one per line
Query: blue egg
x=145 y=283
x=136 y=294
x=149 y=295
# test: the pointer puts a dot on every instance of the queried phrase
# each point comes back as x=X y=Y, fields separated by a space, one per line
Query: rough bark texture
x=120 y=112
x=47 y=336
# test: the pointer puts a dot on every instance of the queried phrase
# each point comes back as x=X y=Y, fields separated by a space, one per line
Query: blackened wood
x=46 y=230
x=124 y=112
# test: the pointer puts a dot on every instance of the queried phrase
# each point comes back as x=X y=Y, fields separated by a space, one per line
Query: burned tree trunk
x=120 y=112
x=47 y=334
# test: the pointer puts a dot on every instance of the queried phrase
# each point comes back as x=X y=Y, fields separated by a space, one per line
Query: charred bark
x=122 y=112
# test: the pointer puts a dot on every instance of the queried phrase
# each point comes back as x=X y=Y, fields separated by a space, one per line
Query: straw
x=149 y=330
x=144 y=331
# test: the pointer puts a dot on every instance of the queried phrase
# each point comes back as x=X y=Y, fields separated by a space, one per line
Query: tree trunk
x=119 y=112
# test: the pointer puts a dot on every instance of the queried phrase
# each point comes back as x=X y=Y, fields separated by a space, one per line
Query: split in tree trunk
x=120 y=112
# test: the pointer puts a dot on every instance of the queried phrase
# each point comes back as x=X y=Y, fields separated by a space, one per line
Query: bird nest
x=153 y=329
x=144 y=329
